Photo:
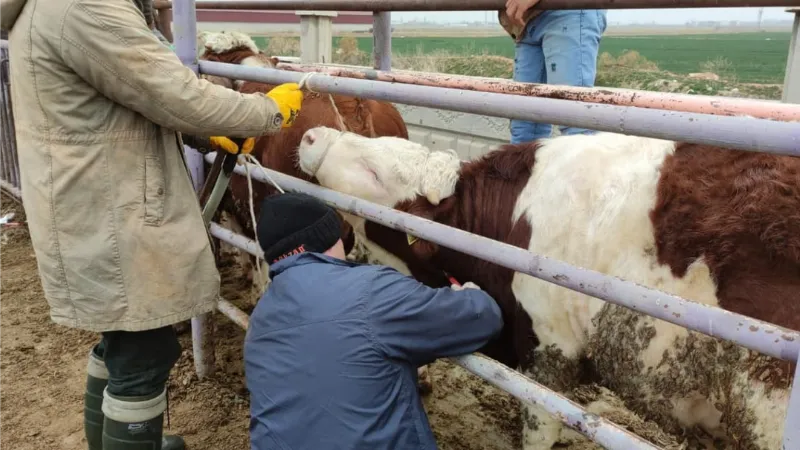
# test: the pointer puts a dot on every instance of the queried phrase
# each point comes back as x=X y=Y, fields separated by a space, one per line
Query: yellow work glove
x=231 y=147
x=289 y=97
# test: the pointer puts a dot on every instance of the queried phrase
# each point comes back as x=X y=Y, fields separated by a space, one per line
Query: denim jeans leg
x=570 y=43
x=529 y=68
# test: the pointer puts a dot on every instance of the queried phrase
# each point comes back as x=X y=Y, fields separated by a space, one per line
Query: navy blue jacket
x=332 y=351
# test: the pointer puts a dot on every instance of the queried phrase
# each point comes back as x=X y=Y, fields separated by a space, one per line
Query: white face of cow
x=384 y=170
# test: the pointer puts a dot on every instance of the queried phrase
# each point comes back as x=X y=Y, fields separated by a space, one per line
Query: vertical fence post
x=8 y=156
x=184 y=29
x=791 y=84
x=791 y=94
x=316 y=36
x=5 y=149
x=791 y=427
x=382 y=40
x=11 y=128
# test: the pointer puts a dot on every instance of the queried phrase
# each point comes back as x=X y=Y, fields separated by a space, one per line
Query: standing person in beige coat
x=120 y=243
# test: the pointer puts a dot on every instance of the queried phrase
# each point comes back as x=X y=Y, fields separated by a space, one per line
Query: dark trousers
x=138 y=362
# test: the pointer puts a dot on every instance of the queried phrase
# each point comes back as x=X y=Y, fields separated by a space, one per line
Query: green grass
x=755 y=57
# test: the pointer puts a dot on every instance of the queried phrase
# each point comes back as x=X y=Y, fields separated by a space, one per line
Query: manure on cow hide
x=611 y=407
x=683 y=369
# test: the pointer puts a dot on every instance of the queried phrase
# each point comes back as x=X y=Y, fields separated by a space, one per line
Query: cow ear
x=422 y=249
x=274 y=61
x=433 y=196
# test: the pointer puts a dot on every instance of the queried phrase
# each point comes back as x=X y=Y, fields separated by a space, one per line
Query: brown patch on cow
x=483 y=203
x=235 y=56
x=740 y=211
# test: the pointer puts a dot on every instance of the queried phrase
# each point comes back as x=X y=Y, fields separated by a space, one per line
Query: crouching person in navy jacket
x=332 y=348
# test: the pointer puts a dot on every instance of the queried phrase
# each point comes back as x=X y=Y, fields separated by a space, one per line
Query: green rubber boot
x=96 y=381
x=137 y=424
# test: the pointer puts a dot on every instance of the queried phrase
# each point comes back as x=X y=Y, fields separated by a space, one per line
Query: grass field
x=752 y=57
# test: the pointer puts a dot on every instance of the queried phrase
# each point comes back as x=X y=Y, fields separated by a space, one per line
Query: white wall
x=470 y=135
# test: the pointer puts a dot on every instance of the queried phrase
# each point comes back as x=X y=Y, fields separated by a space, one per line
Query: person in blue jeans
x=332 y=348
x=552 y=47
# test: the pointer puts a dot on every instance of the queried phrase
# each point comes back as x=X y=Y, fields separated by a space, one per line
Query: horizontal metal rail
x=594 y=427
x=732 y=132
x=567 y=411
x=701 y=104
x=230 y=311
x=754 y=334
x=236 y=240
x=472 y=5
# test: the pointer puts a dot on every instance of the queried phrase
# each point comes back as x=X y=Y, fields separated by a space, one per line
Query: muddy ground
x=42 y=371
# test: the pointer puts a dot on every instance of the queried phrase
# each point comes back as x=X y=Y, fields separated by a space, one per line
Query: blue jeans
x=558 y=47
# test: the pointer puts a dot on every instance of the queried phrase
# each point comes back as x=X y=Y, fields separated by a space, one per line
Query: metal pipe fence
x=523 y=388
x=701 y=104
x=702 y=318
x=731 y=132
x=774 y=136
x=470 y=5
x=754 y=334
x=382 y=40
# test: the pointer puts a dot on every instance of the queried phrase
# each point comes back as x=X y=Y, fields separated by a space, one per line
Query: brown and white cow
x=363 y=116
x=716 y=226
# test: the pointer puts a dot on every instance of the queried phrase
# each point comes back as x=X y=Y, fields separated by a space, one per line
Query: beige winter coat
x=98 y=104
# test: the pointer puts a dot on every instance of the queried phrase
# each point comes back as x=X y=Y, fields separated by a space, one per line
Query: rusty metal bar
x=730 y=132
x=382 y=40
x=754 y=334
x=701 y=104
x=472 y=5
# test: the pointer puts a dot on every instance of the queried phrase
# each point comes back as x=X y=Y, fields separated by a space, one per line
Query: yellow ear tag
x=411 y=239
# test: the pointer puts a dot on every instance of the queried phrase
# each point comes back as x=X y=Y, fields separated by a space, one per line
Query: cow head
x=435 y=185
x=384 y=170
x=389 y=171
x=232 y=48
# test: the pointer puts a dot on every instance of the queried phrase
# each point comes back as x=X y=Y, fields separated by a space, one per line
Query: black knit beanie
x=294 y=223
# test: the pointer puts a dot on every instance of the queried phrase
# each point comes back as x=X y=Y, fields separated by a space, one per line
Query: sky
x=623 y=16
